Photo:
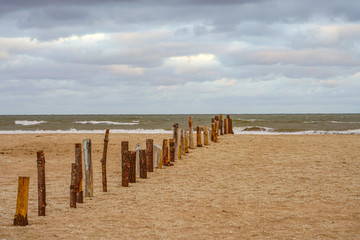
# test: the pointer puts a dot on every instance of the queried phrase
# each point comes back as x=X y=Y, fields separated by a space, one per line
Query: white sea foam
x=72 y=130
x=106 y=122
x=28 y=123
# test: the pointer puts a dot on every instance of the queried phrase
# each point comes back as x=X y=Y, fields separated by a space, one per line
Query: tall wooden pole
x=175 y=137
x=150 y=155
x=217 y=118
x=206 y=135
x=221 y=124
x=226 y=126
x=172 y=150
x=20 y=218
x=230 y=125
x=178 y=145
x=165 y=155
x=41 y=183
x=143 y=165
x=186 y=141
x=73 y=186
x=78 y=161
x=132 y=174
x=103 y=161
x=190 y=126
x=182 y=142
x=125 y=163
x=198 y=136
x=89 y=185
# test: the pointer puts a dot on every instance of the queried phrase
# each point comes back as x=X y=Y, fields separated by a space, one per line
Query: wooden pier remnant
x=157 y=156
x=125 y=166
x=172 y=150
x=20 y=218
x=41 y=183
x=78 y=161
x=230 y=127
x=178 y=141
x=103 y=161
x=175 y=137
x=89 y=179
x=186 y=141
x=191 y=127
x=132 y=174
x=73 y=185
x=206 y=135
x=143 y=165
x=150 y=155
x=198 y=136
x=165 y=154
x=221 y=124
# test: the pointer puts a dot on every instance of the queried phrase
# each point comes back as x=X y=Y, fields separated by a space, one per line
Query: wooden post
x=165 y=149
x=216 y=126
x=186 y=141
x=221 y=124
x=217 y=118
x=178 y=141
x=78 y=161
x=226 y=126
x=125 y=163
x=20 y=218
x=73 y=186
x=206 y=135
x=132 y=174
x=212 y=128
x=89 y=185
x=103 y=161
x=182 y=137
x=149 y=155
x=198 y=136
x=143 y=165
x=175 y=137
x=138 y=147
x=172 y=150
x=190 y=126
x=230 y=125
x=41 y=183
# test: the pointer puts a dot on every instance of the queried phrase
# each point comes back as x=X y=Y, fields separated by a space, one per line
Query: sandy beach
x=244 y=187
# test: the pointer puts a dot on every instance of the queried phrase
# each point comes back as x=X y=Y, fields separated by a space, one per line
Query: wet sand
x=244 y=187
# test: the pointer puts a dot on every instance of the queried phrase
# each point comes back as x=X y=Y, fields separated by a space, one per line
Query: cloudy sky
x=134 y=56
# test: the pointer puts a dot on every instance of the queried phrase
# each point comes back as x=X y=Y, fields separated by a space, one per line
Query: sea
x=268 y=124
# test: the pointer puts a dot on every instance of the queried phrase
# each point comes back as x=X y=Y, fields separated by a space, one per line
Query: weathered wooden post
x=157 y=156
x=78 y=161
x=175 y=137
x=230 y=124
x=149 y=155
x=103 y=161
x=125 y=160
x=186 y=141
x=206 y=135
x=178 y=141
x=20 y=218
x=89 y=185
x=198 y=136
x=226 y=126
x=132 y=174
x=143 y=165
x=165 y=149
x=172 y=150
x=182 y=142
x=221 y=124
x=217 y=118
x=216 y=126
x=190 y=126
x=138 y=147
x=73 y=185
x=41 y=183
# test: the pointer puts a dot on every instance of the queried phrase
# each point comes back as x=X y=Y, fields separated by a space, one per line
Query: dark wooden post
x=175 y=137
x=132 y=174
x=41 y=183
x=198 y=136
x=89 y=185
x=206 y=135
x=78 y=161
x=182 y=142
x=149 y=155
x=143 y=165
x=172 y=150
x=20 y=218
x=191 y=128
x=221 y=124
x=230 y=125
x=212 y=128
x=103 y=161
x=165 y=149
x=186 y=141
x=125 y=163
x=226 y=126
x=73 y=186
x=178 y=144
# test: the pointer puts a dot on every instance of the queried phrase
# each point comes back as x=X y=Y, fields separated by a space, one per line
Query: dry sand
x=244 y=187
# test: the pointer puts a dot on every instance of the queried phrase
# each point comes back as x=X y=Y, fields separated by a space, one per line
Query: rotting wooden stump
x=89 y=185
x=149 y=155
x=230 y=124
x=226 y=126
x=73 y=186
x=216 y=131
x=198 y=136
x=190 y=126
x=206 y=135
x=125 y=160
x=132 y=173
x=78 y=161
x=143 y=165
x=20 y=218
x=103 y=161
x=41 y=183
x=172 y=150
x=186 y=141
x=165 y=155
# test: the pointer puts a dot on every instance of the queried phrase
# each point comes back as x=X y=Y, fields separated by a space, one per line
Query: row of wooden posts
x=137 y=162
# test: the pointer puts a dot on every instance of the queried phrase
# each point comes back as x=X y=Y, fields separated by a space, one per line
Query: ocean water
x=242 y=123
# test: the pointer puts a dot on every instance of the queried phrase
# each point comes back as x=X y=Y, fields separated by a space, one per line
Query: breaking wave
x=28 y=123
x=107 y=122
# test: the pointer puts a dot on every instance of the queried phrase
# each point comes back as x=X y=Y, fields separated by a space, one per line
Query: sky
x=180 y=56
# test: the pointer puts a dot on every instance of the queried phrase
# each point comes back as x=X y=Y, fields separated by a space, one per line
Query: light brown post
x=206 y=135
x=198 y=136
x=212 y=128
x=175 y=137
x=226 y=126
x=103 y=161
x=73 y=186
x=191 y=140
x=78 y=161
x=125 y=160
x=150 y=155
x=217 y=118
x=143 y=165
x=182 y=137
x=132 y=174
x=165 y=155
x=216 y=132
x=89 y=185
x=221 y=124
x=186 y=141
x=178 y=141
x=172 y=150
x=41 y=183
x=20 y=218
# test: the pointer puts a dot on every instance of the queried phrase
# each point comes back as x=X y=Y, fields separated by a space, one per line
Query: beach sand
x=244 y=187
